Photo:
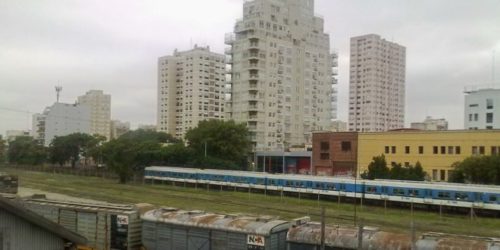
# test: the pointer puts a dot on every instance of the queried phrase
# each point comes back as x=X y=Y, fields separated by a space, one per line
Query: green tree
x=25 y=150
x=478 y=170
x=377 y=169
x=70 y=148
x=3 y=151
x=141 y=135
x=220 y=139
x=120 y=156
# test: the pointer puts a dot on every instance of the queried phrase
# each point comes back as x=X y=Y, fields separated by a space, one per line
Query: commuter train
x=427 y=193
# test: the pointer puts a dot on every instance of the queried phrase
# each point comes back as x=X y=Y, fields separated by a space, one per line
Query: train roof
x=397 y=183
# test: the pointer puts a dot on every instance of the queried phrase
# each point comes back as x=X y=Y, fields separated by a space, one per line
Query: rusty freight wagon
x=172 y=229
x=8 y=183
x=106 y=226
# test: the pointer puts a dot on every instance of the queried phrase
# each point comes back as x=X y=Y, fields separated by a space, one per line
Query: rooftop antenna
x=58 y=91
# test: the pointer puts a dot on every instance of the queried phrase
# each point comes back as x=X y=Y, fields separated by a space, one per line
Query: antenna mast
x=58 y=91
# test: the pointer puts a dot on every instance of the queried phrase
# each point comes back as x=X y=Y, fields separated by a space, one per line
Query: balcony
x=253 y=55
x=254 y=76
x=228 y=50
x=229 y=60
x=229 y=38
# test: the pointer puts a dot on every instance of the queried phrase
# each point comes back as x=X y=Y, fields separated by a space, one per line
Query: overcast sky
x=113 y=45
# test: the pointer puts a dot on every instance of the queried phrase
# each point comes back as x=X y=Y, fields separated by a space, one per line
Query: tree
x=478 y=170
x=25 y=150
x=141 y=135
x=70 y=148
x=3 y=150
x=220 y=139
x=120 y=156
x=377 y=169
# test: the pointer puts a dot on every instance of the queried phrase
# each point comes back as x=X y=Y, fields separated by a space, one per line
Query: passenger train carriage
x=430 y=193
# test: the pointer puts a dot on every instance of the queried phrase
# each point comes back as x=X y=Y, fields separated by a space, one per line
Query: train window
x=398 y=191
x=384 y=190
x=413 y=192
x=260 y=181
x=342 y=187
x=461 y=196
x=493 y=198
x=444 y=195
x=330 y=186
x=371 y=189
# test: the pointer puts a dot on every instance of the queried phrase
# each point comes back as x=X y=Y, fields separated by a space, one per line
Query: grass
x=390 y=219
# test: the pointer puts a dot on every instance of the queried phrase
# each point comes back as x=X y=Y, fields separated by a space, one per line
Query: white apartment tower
x=281 y=73
x=376 y=84
x=100 y=112
x=190 y=89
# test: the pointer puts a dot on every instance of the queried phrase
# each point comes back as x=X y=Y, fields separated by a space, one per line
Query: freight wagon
x=106 y=226
x=8 y=183
x=173 y=229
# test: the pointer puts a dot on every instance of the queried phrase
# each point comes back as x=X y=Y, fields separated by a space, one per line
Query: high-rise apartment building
x=482 y=108
x=376 y=84
x=61 y=119
x=119 y=128
x=190 y=89
x=100 y=112
x=281 y=73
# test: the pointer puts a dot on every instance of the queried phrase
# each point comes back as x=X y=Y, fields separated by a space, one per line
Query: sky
x=114 y=45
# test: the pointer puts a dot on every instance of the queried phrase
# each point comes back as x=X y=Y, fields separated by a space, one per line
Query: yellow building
x=435 y=150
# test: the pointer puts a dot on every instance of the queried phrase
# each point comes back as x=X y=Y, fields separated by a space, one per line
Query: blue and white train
x=429 y=193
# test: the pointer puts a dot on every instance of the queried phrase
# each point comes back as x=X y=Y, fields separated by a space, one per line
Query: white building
x=100 y=112
x=376 y=84
x=281 y=73
x=431 y=124
x=339 y=126
x=118 y=128
x=61 y=119
x=190 y=89
x=482 y=108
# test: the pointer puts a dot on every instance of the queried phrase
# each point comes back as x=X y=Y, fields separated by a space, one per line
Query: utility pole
x=205 y=149
x=322 y=247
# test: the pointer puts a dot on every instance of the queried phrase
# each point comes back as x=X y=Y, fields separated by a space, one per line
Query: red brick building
x=334 y=153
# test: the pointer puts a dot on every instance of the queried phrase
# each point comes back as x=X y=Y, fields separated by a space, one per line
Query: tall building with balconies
x=281 y=73
x=190 y=89
x=376 y=84
x=100 y=112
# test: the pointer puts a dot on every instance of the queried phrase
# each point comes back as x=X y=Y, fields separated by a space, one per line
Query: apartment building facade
x=190 y=89
x=61 y=119
x=281 y=85
x=351 y=152
x=100 y=112
x=482 y=108
x=376 y=84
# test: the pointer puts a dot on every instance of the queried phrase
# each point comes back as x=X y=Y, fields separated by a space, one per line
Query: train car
x=8 y=183
x=429 y=193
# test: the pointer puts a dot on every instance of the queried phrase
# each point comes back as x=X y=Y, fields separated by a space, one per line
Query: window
x=371 y=189
x=495 y=150
x=325 y=146
x=461 y=196
x=387 y=149
x=493 y=198
x=443 y=150
x=470 y=117
x=435 y=150
x=450 y=150
x=444 y=195
x=413 y=192
x=346 y=146
x=476 y=117
x=325 y=156
x=489 y=103
x=481 y=150
x=407 y=149
x=474 y=150
x=393 y=149
x=398 y=191
x=489 y=117
x=434 y=174
x=442 y=175
x=420 y=149
x=457 y=150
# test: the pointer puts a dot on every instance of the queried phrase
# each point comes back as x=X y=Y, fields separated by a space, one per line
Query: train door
x=478 y=197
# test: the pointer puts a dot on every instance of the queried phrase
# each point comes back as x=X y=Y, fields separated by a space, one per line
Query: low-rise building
x=431 y=124
x=350 y=153
x=24 y=229
x=11 y=135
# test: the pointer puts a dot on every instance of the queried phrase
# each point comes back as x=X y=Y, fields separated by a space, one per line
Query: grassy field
x=396 y=220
